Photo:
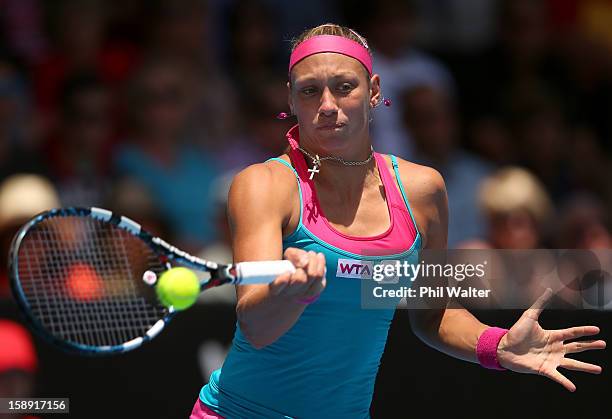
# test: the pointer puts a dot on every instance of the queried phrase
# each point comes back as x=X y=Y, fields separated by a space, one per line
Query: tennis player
x=304 y=347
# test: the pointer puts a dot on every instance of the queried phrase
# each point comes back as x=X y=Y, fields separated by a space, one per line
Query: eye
x=345 y=87
x=309 y=91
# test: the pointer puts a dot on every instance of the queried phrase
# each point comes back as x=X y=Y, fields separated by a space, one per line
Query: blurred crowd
x=148 y=108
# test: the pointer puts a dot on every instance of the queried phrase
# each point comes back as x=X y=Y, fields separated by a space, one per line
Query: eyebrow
x=307 y=78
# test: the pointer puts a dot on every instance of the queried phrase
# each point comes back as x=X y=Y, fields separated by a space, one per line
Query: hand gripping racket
x=85 y=278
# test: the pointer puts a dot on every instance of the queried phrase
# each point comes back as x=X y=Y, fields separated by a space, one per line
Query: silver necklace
x=316 y=161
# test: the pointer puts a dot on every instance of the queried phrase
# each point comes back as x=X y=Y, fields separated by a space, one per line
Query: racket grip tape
x=261 y=272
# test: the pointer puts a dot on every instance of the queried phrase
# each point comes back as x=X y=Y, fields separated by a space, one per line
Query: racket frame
x=220 y=274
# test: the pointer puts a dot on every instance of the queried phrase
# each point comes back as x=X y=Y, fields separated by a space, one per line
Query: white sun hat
x=22 y=196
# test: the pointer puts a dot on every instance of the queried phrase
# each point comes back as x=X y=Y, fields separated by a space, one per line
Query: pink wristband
x=486 y=348
x=309 y=299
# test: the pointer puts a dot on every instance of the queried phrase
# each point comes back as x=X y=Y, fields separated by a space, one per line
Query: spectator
x=401 y=66
x=79 y=150
x=517 y=208
x=583 y=224
x=490 y=137
x=255 y=50
x=261 y=136
x=541 y=132
x=589 y=166
x=22 y=196
x=430 y=115
x=80 y=44
x=18 y=140
x=456 y=24
x=22 y=21
x=522 y=60
x=185 y=31
x=221 y=250
x=18 y=363
x=161 y=156
x=132 y=199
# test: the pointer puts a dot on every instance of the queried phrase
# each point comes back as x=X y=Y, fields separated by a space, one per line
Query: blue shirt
x=183 y=193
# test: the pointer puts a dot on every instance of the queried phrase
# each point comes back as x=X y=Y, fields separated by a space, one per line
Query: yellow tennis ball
x=178 y=287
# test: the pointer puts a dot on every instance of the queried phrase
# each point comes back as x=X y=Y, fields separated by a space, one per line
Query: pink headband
x=331 y=43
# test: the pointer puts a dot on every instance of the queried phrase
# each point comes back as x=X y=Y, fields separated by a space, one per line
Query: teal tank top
x=325 y=366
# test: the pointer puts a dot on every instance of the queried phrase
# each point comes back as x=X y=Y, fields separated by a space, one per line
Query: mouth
x=329 y=127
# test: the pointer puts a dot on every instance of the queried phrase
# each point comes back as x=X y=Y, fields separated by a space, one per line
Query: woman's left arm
x=526 y=347
x=452 y=331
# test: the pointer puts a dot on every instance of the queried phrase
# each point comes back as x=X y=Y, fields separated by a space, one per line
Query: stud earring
x=284 y=115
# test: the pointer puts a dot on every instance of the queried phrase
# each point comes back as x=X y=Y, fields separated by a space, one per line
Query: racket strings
x=82 y=280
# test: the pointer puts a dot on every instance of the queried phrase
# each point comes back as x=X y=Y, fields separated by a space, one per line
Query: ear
x=375 y=92
x=289 y=100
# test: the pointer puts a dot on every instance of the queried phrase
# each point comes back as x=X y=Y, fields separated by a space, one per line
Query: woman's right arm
x=260 y=204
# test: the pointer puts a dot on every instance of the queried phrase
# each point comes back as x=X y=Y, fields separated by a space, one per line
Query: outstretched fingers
x=575 y=365
x=577 y=332
x=585 y=345
x=561 y=379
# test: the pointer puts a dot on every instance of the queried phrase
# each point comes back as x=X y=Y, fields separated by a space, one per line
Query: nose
x=328 y=106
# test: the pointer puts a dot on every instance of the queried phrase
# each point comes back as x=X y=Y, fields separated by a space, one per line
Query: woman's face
x=331 y=97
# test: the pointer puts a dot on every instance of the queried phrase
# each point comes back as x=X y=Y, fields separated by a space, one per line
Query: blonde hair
x=330 y=29
x=513 y=189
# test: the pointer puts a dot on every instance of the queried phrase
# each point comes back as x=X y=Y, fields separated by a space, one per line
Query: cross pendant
x=315 y=169
x=316 y=163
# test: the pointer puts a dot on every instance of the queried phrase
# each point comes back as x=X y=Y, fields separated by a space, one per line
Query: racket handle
x=261 y=272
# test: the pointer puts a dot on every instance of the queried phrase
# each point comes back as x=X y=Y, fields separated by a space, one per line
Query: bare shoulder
x=421 y=183
x=266 y=189
x=264 y=174
x=426 y=193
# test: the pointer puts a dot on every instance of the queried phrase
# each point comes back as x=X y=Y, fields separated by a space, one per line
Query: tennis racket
x=85 y=279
